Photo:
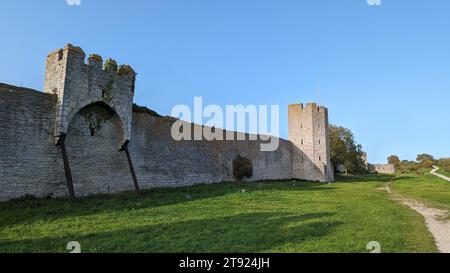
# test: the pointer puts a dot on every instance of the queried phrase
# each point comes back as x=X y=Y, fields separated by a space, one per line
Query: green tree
x=444 y=163
x=393 y=159
x=345 y=150
x=424 y=157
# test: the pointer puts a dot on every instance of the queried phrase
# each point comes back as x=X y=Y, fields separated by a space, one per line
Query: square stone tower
x=308 y=132
x=78 y=84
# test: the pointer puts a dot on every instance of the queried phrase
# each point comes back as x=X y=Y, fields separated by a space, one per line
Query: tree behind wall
x=345 y=150
x=393 y=159
x=424 y=157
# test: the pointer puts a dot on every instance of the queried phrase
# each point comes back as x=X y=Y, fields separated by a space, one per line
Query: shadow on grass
x=27 y=211
x=249 y=232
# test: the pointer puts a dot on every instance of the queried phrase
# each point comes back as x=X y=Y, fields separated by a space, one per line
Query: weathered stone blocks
x=91 y=104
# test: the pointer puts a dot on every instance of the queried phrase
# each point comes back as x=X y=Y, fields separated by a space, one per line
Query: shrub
x=427 y=164
x=125 y=69
x=110 y=65
x=242 y=167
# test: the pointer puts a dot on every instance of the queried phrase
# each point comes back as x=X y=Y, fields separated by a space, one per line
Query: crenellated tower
x=308 y=132
x=78 y=84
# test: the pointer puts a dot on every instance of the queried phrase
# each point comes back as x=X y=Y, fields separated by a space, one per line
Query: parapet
x=311 y=106
x=95 y=61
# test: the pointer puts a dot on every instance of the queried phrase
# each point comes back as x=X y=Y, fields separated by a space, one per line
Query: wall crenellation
x=312 y=106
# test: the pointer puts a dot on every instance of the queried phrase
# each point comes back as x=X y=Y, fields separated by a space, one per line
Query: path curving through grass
x=434 y=172
x=429 y=195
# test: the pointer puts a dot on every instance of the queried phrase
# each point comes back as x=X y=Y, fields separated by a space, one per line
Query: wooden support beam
x=66 y=166
x=130 y=163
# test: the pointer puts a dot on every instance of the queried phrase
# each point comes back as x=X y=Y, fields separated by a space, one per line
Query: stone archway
x=80 y=108
x=97 y=165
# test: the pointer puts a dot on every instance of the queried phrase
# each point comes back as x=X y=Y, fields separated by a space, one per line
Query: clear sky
x=384 y=70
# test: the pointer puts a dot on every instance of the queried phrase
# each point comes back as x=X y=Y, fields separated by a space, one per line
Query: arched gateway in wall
x=93 y=120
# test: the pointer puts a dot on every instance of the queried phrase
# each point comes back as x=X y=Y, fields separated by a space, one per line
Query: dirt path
x=434 y=172
x=434 y=219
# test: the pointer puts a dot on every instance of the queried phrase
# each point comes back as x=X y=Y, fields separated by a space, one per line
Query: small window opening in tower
x=320 y=159
x=92 y=129
x=103 y=93
x=319 y=141
x=302 y=142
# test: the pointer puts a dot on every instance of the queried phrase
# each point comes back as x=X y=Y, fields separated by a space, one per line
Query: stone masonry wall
x=78 y=84
x=383 y=168
x=31 y=163
x=308 y=132
x=160 y=161
x=90 y=107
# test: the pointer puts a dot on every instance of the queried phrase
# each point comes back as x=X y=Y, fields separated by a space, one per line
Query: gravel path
x=435 y=220
x=439 y=228
x=434 y=172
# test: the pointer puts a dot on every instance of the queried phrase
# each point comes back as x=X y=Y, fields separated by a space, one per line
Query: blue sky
x=384 y=70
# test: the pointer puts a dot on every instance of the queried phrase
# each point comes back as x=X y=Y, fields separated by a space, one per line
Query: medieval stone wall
x=31 y=163
x=96 y=163
x=86 y=110
x=77 y=84
x=160 y=161
x=382 y=168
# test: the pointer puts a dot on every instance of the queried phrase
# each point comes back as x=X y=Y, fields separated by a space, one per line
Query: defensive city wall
x=83 y=136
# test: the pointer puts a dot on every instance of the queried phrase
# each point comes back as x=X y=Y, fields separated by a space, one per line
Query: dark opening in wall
x=92 y=130
x=60 y=55
x=242 y=167
x=320 y=159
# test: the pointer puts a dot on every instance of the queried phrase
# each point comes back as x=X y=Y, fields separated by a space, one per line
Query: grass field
x=424 y=187
x=444 y=172
x=283 y=217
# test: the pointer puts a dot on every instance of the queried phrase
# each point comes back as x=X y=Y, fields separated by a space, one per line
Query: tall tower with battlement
x=311 y=151
x=78 y=84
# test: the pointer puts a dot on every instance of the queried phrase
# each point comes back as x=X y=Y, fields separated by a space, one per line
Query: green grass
x=283 y=217
x=444 y=172
x=424 y=187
